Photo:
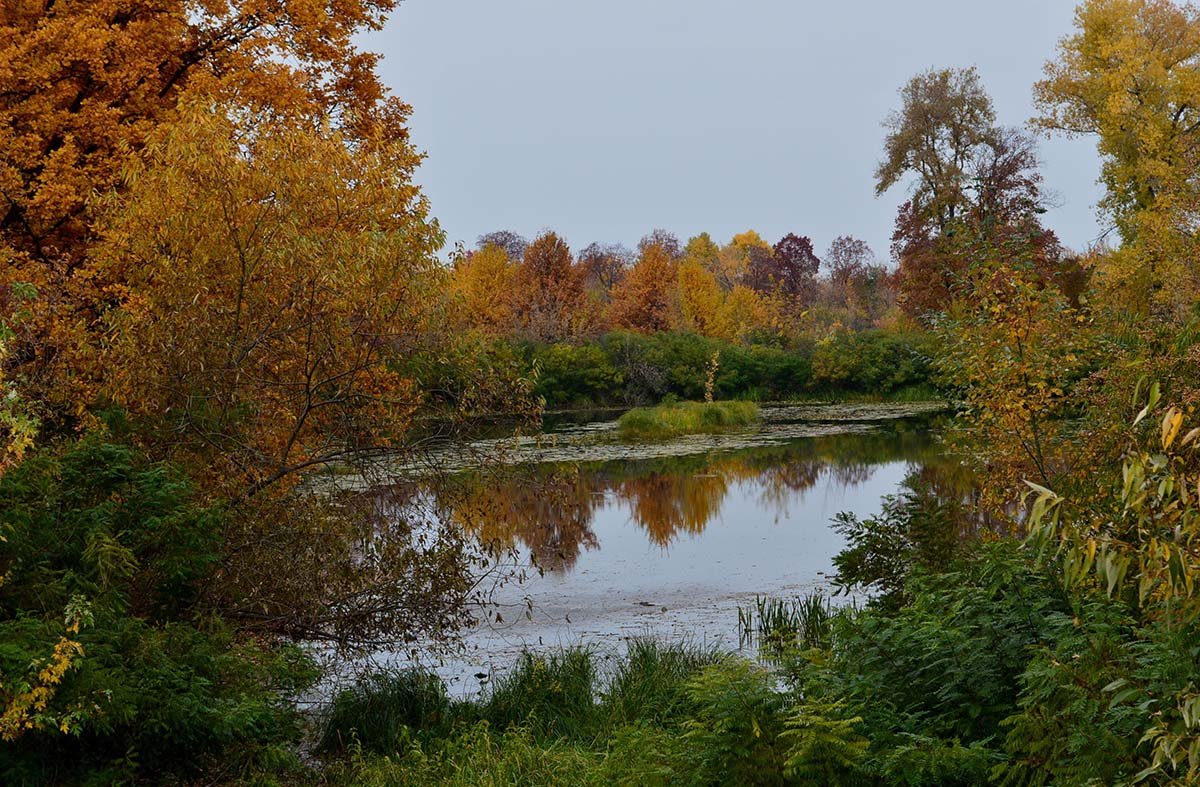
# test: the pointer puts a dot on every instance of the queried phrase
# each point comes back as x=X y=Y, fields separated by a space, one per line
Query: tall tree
x=83 y=85
x=664 y=240
x=643 y=300
x=704 y=250
x=1130 y=75
x=700 y=297
x=847 y=258
x=551 y=302
x=513 y=244
x=794 y=267
x=484 y=283
x=944 y=118
x=604 y=265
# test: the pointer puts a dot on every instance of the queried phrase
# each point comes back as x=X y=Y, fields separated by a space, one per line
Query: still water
x=667 y=539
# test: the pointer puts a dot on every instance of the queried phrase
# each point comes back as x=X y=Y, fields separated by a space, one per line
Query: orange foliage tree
x=83 y=83
x=261 y=275
x=551 y=301
x=643 y=301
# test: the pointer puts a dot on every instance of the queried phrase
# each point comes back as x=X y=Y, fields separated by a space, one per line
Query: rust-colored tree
x=551 y=302
x=643 y=301
x=82 y=86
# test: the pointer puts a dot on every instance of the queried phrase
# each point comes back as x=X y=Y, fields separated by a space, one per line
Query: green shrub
x=163 y=686
x=733 y=730
x=948 y=665
x=874 y=361
x=574 y=375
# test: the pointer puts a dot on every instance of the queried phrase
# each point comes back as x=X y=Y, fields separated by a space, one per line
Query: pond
x=668 y=539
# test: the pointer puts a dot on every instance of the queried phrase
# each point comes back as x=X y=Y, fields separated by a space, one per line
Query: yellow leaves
x=24 y=707
x=1171 y=424
x=1131 y=75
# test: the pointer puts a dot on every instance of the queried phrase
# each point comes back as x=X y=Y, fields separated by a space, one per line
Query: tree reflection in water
x=549 y=509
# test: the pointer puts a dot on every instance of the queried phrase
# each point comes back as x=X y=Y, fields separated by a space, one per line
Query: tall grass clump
x=671 y=419
x=378 y=711
x=553 y=694
x=648 y=684
x=473 y=756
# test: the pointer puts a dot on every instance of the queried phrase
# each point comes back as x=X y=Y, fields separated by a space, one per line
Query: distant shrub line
x=623 y=368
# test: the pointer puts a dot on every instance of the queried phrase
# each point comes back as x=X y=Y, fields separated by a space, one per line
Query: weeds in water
x=779 y=626
x=679 y=418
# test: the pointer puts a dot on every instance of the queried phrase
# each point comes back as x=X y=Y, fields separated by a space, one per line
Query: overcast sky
x=603 y=120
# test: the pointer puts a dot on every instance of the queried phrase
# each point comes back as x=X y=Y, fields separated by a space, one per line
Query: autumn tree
x=83 y=85
x=977 y=187
x=513 y=244
x=664 y=240
x=266 y=277
x=703 y=250
x=1130 y=75
x=643 y=299
x=794 y=266
x=604 y=265
x=700 y=297
x=483 y=284
x=742 y=313
x=551 y=302
x=847 y=258
x=261 y=276
x=944 y=118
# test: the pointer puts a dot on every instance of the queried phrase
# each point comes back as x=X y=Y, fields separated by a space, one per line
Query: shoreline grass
x=680 y=418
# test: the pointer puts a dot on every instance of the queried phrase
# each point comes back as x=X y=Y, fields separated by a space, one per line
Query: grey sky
x=603 y=120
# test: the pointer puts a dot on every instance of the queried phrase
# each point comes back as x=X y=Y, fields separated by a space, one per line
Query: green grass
x=680 y=418
x=378 y=711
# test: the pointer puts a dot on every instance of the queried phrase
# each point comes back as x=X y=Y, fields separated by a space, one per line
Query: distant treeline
x=745 y=291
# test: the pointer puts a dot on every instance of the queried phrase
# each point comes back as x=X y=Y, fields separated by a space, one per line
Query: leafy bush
x=161 y=685
x=733 y=730
x=871 y=362
x=574 y=375
x=949 y=664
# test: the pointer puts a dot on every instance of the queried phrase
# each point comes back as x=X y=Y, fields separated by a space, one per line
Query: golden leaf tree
x=483 y=283
x=83 y=83
x=261 y=275
x=1130 y=75
x=700 y=297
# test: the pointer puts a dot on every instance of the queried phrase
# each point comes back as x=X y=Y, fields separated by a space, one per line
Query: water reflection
x=550 y=509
